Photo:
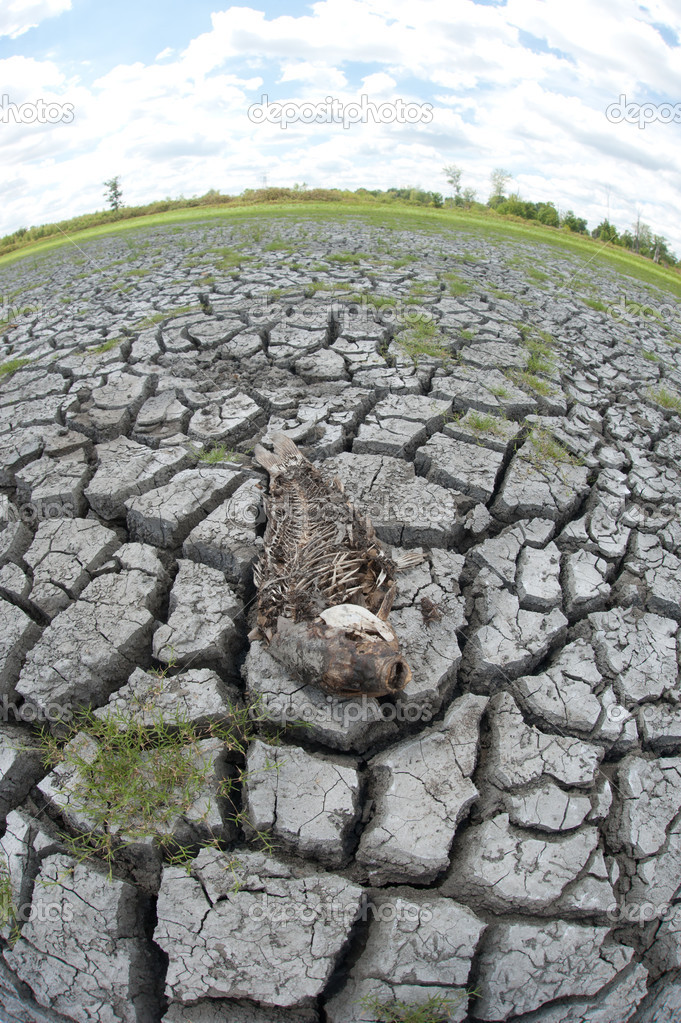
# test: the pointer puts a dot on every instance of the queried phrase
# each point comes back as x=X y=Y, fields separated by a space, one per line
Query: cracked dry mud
x=507 y=834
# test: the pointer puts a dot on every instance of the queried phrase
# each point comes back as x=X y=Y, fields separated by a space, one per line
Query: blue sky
x=160 y=94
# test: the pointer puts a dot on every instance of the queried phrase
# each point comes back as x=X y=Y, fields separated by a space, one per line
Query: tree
x=577 y=224
x=515 y=206
x=662 y=253
x=643 y=237
x=499 y=178
x=453 y=175
x=417 y=195
x=605 y=231
x=548 y=214
x=468 y=196
x=113 y=195
x=544 y=212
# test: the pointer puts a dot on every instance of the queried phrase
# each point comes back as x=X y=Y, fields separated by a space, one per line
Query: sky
x=579 y=102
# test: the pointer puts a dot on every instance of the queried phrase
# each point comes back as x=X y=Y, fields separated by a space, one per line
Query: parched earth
x=507 y=834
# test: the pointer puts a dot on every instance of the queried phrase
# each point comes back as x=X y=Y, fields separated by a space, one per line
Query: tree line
x=639 y=239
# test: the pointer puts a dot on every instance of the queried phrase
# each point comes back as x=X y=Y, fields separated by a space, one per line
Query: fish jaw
x=341 y=662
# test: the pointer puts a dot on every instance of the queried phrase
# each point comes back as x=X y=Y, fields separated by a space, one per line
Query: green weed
x=595 y=303
x=134 y=779
x=7 y=368
x=529 y=380
x=666 y=399
x=348 y=257
x=219 y=453
x=498 y=293
x=480 y=423
x=108 y=346
x=455 y=284
x=151 y=321
x=546 y=448
x=537 y=275
x=7 y=908
x=437 y=1009
x=420 y=338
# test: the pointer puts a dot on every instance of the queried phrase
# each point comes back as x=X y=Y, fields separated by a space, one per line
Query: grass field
x=395 y=216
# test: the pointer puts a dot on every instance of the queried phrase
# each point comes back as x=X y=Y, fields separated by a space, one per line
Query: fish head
x=347 y=651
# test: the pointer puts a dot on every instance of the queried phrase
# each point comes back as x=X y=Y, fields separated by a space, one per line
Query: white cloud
x=378 y=84
x=18 y=16
x=180 y=124
x=318 y=75
x=22 y=77
x=619 y=50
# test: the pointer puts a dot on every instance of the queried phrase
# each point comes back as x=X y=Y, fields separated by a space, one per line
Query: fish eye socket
x=397 y=675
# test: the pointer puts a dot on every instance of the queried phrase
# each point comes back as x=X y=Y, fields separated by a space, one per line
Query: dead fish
x=325 y=583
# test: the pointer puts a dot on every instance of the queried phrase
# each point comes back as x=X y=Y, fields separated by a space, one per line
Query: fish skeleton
x=325 y=583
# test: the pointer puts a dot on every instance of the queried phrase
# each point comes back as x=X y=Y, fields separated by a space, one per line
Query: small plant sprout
x=484 y=423
x=7 y=910
x=531 y=382
x=11 y=366
x=666 y=399
x=546 y=448
x=129 y=778
x=436 y=1008
x=217 y=454
x=456 y=285
x=421 y=338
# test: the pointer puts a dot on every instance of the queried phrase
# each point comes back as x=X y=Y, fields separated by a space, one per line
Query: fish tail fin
x=265 y=458
x=285 y=449
x=285 y=452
